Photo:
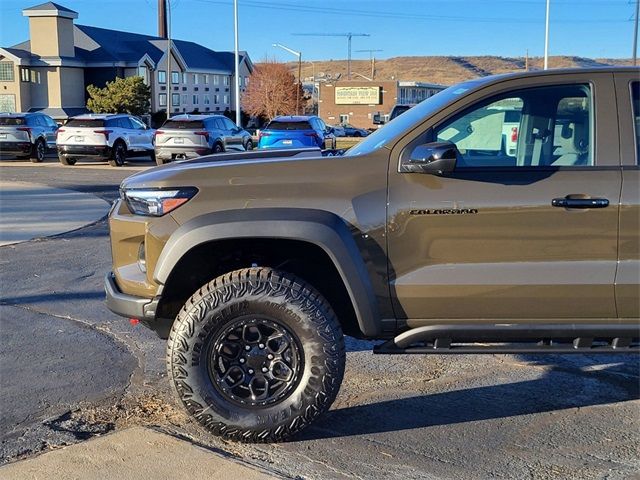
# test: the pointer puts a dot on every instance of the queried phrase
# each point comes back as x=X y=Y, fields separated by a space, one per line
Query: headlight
x=156 y=203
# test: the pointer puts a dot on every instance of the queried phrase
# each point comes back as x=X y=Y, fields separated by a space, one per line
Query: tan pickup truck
x=433 y=235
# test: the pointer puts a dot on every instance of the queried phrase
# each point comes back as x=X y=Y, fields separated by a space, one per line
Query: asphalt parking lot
x=71 y=370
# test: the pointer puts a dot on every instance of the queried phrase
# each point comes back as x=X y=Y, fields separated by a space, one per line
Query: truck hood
x=245 y=162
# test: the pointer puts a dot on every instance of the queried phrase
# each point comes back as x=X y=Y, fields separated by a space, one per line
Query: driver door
x=501 y=237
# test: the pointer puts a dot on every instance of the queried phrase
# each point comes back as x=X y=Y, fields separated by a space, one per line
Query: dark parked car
x=297 y=132
x=27 y=135
x=189 y=136
x=351 y=131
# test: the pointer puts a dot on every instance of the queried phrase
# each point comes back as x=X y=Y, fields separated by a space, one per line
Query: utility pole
x=372 y=60
x=635 y=34
x=236 y=57
x=169 y=93
x=546 y=38
x=348 y=35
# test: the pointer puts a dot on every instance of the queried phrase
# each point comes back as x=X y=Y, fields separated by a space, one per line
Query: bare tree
x=271 y=91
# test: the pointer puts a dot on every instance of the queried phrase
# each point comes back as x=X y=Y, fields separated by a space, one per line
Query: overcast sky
x=593 y=28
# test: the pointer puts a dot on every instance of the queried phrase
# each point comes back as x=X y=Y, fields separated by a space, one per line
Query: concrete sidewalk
x=30 y=211
x=135 y=453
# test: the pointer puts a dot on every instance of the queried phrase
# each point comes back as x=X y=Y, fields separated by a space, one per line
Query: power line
x=396 y=15
x=348 y=35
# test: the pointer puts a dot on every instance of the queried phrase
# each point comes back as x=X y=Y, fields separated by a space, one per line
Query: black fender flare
x=321 y=228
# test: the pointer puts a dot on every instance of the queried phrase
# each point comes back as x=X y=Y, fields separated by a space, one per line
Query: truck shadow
x=562 y=387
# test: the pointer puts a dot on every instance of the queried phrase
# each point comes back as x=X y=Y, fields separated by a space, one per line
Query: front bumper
x=100 y=151
x=16 y=148
x=128 y=305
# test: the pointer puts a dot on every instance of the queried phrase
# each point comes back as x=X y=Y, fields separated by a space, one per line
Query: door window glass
x=123 y=122
x=538 y=127
x=635 y=102
x=137 y=124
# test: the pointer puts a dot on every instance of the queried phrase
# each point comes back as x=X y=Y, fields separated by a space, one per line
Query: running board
x=515 y=338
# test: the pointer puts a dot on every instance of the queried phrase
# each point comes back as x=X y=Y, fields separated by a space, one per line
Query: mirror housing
x=436 y=158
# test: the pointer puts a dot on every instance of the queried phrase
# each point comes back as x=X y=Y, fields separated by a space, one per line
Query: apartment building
x=50 y=71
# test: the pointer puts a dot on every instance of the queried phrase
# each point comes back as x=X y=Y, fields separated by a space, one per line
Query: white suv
x=110 y=136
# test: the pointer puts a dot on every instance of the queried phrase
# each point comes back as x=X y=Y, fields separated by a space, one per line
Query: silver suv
x=27 y=135
x=110 y=137
x=190 y=136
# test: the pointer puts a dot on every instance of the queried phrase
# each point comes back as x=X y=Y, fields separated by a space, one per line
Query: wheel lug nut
x=270 y=357
x=247 y=347
x=265 y=369
x=251 y=371
x=261 y=345
x=242 y=360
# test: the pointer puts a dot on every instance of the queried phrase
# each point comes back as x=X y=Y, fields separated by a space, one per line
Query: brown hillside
x=442 y=70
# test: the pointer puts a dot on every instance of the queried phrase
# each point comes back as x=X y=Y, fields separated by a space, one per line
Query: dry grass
x=444 y=70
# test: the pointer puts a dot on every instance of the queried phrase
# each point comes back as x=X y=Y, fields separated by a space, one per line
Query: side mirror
x=437 y=158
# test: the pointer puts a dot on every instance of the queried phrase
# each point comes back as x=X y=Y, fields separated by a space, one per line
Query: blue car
x=297 y=132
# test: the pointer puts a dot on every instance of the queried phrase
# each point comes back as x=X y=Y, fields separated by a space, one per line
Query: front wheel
x=38 y=151
x=218 y=148
x=118 y=155
x=66 y=160
x=249 y=145
x=161 y=161
x=256 y=355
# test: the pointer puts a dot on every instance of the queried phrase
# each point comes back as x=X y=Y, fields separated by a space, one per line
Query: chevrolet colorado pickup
x=431 y=235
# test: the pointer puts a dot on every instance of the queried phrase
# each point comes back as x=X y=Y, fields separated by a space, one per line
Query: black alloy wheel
x=39 y=151
x=255 y=361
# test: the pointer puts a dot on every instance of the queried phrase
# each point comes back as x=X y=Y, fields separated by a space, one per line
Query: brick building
x=355 y=102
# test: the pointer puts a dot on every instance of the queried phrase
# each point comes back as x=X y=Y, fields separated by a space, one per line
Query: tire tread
x=259 y=281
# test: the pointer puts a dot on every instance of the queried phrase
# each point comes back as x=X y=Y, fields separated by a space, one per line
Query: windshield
x=413 y=116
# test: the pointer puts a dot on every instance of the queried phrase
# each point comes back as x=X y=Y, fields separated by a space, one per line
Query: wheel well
x=210 y=260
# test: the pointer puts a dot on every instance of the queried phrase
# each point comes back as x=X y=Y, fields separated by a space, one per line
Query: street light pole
x=299 y=55
x=169 y=94
x=237 y=61
x=546 y=38
x=635 y=35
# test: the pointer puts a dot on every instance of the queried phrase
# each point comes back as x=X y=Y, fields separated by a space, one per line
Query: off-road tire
x=38 y=151
x=263 y=293
x=66 y=160
x=118 y=154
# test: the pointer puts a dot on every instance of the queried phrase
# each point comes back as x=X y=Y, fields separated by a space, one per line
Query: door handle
x=568 y=202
